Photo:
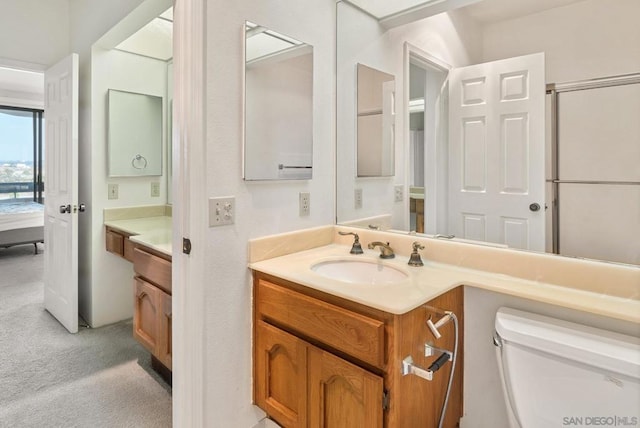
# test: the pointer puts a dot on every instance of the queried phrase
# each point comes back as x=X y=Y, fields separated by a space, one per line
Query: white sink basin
x=359 y=272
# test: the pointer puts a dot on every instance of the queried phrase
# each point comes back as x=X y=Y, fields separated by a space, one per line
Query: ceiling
x=262 y=42
x=384 y=8
x=484 y=11
x=154 y=40
x=26 y=82
x=491 y=11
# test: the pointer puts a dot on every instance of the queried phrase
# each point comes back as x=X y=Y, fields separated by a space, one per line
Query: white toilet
x=557 y=374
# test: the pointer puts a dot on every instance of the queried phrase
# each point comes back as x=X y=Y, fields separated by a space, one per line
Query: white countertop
x=433 y=279
x=152 y=232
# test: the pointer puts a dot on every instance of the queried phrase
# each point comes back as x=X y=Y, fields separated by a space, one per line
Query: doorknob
x=534 y=207
x=65 y=209
x=82 y=208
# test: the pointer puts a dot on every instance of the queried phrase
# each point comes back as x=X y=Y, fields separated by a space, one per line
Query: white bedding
x=20 y=215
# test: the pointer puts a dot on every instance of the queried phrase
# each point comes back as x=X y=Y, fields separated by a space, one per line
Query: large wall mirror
x=135 y=134
x=490 y=148
x=278 y=140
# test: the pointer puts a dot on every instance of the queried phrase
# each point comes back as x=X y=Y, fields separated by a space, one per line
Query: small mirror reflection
x=278 y=106
x=376 y=122
x=135 y=134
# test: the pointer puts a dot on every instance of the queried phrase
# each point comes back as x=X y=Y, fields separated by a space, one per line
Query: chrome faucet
x=386 y=252
x=414 y=259
x=356 y=248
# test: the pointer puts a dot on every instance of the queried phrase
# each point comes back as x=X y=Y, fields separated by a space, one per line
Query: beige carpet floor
x=49 y=378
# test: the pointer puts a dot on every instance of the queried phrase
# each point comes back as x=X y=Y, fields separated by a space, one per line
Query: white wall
x=111 y=296
x=450 y=37
x=89 y=21
x=262 y=208
x=34 y=31
x=587 y=39
x=21 y=88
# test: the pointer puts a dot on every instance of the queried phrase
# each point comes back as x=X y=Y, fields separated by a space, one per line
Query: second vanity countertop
x=152 y=232
x=431 y=280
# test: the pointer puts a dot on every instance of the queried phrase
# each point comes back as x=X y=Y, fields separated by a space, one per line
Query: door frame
x=189 y=211
x=414 y=54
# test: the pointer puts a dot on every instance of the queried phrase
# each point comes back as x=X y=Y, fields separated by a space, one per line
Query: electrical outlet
x=305 y=203
x=222 y=211
x=112 y=190
x=399 y=193
x=358 y=198
x=155 y=189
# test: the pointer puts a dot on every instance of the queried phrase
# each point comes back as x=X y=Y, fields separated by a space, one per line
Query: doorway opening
x=428 y=122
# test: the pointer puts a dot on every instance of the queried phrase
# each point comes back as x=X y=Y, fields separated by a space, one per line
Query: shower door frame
x=554 y=89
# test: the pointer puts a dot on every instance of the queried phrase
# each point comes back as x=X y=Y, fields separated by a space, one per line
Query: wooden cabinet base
x=152 y=316
x=162 y=370
x=304 y=376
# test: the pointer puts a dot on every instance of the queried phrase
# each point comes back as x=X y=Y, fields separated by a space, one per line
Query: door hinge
x=385 y=400
x=186 y=246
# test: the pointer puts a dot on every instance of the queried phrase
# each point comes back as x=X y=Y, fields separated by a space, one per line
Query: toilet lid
x=600 y=348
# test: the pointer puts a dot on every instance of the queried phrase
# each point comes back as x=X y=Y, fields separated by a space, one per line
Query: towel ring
x=139 y=162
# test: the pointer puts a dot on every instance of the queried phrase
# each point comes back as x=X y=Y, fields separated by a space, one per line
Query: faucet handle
x=356 y=248
x=415 y=259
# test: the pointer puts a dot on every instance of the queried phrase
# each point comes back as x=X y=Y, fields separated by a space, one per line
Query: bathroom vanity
x=323 y=360
x=334 y=348
x=146 y=243
x=152 y=303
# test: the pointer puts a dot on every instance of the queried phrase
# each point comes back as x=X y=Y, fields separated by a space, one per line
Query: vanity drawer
x=152 y=268
x=115 y=242
x=355 y=334
x=128 y=248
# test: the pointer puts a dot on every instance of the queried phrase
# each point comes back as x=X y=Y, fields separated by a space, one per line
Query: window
x=21 y=154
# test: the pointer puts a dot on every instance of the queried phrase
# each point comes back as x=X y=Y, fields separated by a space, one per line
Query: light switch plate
x=112 y=191
x=399 y=193
x=305 y=203
x=357 y=198
x=222 y=211
x=155 y=189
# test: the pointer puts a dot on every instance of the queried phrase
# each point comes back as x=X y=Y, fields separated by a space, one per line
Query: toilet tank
x=561 y=374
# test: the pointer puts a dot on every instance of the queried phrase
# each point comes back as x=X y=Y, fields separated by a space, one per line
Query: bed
x=21 y=223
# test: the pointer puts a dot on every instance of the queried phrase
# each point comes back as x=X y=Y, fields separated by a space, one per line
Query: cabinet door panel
x=146 y=314
x=114 y=242
x=164 y=335
x=342 y=394
x=281 y=375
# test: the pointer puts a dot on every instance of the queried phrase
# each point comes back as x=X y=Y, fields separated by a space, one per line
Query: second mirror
x=376 y=122
x=278 y=106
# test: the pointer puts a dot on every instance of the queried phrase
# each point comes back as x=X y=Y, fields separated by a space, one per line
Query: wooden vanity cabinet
x=342 y=394
x=323 y=361
x=152 y=317
x=118 y=242
x=301 y=385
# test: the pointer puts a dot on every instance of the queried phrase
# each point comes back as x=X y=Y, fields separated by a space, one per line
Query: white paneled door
x=61 y=201
x=496 y=152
